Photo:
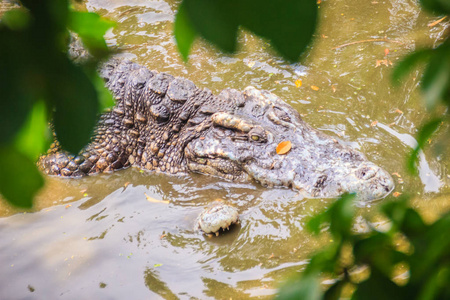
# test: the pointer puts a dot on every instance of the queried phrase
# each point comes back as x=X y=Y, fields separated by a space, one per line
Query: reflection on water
x=431 y=181
x=99 y=237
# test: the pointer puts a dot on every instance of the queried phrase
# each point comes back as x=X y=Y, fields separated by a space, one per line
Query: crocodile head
x=241 y=143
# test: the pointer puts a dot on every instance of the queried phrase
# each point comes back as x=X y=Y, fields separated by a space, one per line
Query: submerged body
x=167 y=124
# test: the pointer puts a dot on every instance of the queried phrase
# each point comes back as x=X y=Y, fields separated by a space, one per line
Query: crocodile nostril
x=365 y=173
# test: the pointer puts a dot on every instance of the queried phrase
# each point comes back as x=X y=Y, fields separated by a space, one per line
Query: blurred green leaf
x=413 y=224
x=17 y=71
x=288 y=25
x=34 y=137
x=334 y=292
x=377 y=287
x=106 y=99
x=408 y=63
x=339 y=215
x=19 y=177
x=440 y=7
x=431 y=287
x=326 y=260
x=436 y=79
x=395 y=210
x=91 y=28
x=50 y=20
x=424 y=134
x=76 y=106
x=316 y=223
x=431 y=249
x=307 y=287
x=214 y=20
x=16 y=19
x=184 y=32
x=342 y=213
x=378 y=251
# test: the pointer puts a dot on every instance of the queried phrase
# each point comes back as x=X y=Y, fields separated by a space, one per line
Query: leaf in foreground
x=425 y=133
x=288 y=25
x=91 y=28
x=184 y=32
x=19 y=177
x=77 y=104
x=307 y=287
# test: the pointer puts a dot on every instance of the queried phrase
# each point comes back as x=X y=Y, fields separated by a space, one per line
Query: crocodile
x=166 y=124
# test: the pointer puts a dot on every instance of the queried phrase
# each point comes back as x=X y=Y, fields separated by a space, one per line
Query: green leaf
x=91 y=28
x=307 y=287
x=396 y=211
x=334 y=292
x=342 y=213
x=215 y=21
x=377 y=287
x=408 y=63
x=413 y=224
x=440 y=7
x=184 y=32
x=431 y=249
x=315 y=224
x=326 y=260
x=424 y=134
x=339 y=215
x=16 y=19
x=34 y=137
x=76 y=107
x=432 y=285
x=378 y=250
x=106 y=99
x=287 y=24
x=436 y=79
x=19 y=177
x=16 y=73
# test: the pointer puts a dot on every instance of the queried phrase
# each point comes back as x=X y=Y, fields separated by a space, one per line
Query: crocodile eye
x=202 y=161
x=258 y=134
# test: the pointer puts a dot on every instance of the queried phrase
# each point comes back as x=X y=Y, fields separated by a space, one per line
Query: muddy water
x=110 y=236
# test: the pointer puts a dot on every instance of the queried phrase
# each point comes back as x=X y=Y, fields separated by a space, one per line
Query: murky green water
x=100 y=237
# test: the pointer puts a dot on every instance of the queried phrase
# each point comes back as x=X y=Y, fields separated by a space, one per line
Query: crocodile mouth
x=216 y=166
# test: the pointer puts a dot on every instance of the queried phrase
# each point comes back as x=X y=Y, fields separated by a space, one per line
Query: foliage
x=421 y=251
x=425 y=256
x=287 y=24
x=39 y=83
x=435 y=84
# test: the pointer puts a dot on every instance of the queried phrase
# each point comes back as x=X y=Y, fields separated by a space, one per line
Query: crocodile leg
x=106 y=152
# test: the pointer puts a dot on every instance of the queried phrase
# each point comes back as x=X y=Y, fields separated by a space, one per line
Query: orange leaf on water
x=298 y=83
x=374 y=123
x=386 y=52
x=396 y=194
x=316 y=88
x=284 y=147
